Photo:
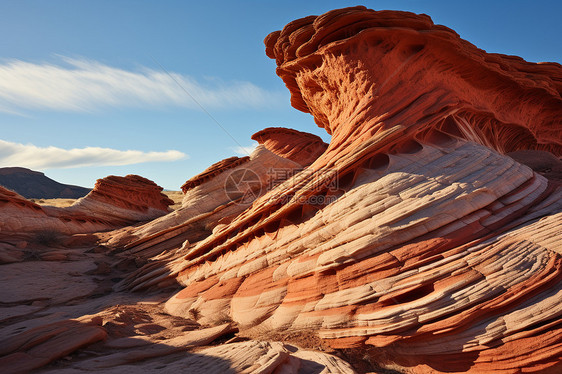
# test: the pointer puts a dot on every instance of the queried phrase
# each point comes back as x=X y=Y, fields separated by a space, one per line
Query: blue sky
x=90 y=88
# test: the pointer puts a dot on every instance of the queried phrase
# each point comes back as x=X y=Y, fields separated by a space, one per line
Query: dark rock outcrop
x=36 y=185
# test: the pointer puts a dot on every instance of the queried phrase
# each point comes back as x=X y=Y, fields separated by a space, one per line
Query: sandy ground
x=61 y=313
x=177 y=196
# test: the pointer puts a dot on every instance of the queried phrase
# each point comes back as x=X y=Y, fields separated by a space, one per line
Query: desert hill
x=34 y=184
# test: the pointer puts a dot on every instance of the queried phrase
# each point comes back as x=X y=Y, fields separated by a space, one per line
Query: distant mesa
x=36 y=185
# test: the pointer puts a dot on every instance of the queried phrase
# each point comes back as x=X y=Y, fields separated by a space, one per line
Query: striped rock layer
x=114 y=202
x=220 y=193
x=413 y=237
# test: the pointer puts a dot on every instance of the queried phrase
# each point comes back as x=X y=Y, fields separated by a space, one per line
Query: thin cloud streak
x=245 y=151
x=86 y=85
x=33 y=157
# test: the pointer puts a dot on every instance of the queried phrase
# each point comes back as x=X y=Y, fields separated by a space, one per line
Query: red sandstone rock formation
x=295 y=145
x=411 y=239
x=211 y=197
x=213 y=171
x=125 y=200
x=433 y=250
x=544 y=163
x=114 y=202
x=397 y=68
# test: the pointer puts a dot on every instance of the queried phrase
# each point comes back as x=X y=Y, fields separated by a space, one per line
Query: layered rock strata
x=297 y=146
x=412 y=234
x=413 y=239
x=221 y=192
x=114 y=202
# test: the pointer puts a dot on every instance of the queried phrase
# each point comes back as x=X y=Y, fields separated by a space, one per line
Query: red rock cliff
x=412 y=234
x=362 y=72
x=114 y=202
x=411 y=239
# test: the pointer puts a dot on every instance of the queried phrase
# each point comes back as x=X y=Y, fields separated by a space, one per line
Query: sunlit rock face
x=298 y=146
x=127 y=199
x=426 y=235
x=220 y=193
x=413 y=237
x=114 y=202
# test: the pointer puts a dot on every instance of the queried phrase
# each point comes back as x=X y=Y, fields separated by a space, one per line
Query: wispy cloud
x=33 y=157
x=245 y=151
x=87 y=85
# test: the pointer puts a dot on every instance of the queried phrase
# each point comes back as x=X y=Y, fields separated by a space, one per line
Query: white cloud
x=245 y=151
x=33 y=157
x=87 y=85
